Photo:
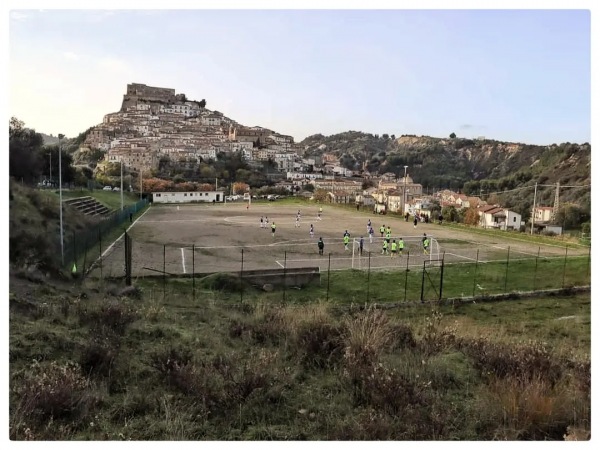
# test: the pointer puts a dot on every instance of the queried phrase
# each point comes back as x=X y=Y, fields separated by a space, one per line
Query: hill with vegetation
x=472 y=166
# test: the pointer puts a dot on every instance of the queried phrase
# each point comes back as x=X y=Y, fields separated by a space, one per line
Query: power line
x=539 y=185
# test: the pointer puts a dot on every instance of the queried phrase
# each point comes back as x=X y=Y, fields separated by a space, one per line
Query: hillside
x=474 y=166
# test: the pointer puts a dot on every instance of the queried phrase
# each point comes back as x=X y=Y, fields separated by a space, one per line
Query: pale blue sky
x=514 y=75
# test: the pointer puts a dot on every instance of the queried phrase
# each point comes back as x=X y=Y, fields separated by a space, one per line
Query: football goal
x=413 y=248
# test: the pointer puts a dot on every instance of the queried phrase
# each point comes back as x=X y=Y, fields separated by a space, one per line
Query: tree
x=239 y=188
x=569 y=217
x=24 y=148
x=471 y=216
x=366 y=184
x=452 y=135
x=320 y=195
x=450 y=214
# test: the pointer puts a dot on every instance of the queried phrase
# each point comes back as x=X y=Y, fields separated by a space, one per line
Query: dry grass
x=366 y=336
x=530 y=409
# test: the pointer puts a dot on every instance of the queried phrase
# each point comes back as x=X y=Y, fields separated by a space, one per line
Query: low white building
x=496 y=217
x=188 y=197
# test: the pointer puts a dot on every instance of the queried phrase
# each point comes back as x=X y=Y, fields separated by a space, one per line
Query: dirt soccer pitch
x=198 y=238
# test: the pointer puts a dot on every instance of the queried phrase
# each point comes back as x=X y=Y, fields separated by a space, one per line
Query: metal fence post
x=241 y=276
x=589 y=261
x=194 y=272
x=423 y=282
x=535 y=271
x=506 y=273
x=442 y=276
x=284 y=273
x=565 y=266
x=100 y=256
x=164 y=271
x=475 y=274
x=328 y=275
x=369 y=280
x=406 y=274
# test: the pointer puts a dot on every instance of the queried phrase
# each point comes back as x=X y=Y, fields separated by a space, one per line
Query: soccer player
x=371 y=232
x=312 y=231
x=425 y=241
x=297 y=221
x=321 y=245
x=266 y=221
x=400 y=246
x=346 y=233
x=346 y=240
x=273 y=226
x=382 y=230
x=415 y=222
x=394 y=248
x=262 y=223
x=384 y=251
x=389 y=230
x=361 y=245
x=388 y=236
x=368 y=226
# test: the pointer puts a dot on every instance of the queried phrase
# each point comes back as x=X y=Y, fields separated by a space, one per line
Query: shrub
x=53 y=391
x=320 y=343
x=529 y=409
x=526 y=361
x=98 y=357
x=365 y=337
x=113 y=315
x=384 y=389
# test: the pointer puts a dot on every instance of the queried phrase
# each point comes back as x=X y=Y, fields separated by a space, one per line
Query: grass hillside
x=34 y=224
x=90 y=364
x=34 y=227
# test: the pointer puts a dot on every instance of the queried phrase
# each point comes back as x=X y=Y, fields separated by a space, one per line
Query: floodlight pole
x=121 y=182
x=141 y=184
x=62 y=247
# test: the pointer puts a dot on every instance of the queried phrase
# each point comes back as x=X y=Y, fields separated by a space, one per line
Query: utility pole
x=50 y=155
x=533 y=210
x=62 y=247
x=556 y=202
x=404 y=193
x=141 y=183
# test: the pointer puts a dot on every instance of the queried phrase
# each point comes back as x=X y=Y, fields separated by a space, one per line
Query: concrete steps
x=88 y=206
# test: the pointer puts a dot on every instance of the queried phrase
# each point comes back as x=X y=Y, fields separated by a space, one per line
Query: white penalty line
x=461 y=256
x=183 y=259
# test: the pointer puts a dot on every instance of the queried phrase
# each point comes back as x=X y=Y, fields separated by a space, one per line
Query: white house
x=188 y=197
x=500 y=218
x=543 y=213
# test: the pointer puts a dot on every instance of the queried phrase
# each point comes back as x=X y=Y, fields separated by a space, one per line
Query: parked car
x=116 y=189
x=107 y=188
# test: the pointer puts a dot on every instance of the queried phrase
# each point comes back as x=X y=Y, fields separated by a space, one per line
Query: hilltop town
x=156 y=125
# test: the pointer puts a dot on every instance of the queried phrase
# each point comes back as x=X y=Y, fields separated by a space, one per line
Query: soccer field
x=198 y=238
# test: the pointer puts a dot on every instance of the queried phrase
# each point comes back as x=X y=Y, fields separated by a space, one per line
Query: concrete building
x=188 y=197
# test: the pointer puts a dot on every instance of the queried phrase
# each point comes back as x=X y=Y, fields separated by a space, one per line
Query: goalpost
x=412 y=245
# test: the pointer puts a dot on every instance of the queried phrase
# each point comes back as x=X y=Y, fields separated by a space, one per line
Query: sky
x=513 y=75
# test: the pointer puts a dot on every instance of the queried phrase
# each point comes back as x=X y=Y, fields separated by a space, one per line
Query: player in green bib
x=394 y=248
